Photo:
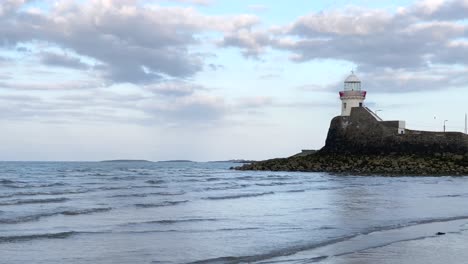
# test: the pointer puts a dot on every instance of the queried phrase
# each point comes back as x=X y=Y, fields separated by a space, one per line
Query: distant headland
x=360 y=142
x=125 y=160
x=132 y=160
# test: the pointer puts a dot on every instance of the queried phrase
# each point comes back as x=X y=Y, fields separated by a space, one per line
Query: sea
x=189 y=212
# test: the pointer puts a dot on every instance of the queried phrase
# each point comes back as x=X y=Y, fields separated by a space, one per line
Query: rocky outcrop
x=392 y=164
x=361 y=144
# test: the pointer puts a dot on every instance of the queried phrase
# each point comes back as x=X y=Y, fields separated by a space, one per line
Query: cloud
x=127 y=41
x=441 y=9
x=215 y=67
x=187 y=110
x=255 y=102
x=375 y=38
x=62 y=60
x=252 y=43
x=170 y=103
x=195 y=2
x=50 y=86
x=402 y=81
x=407 y=45
x=174 y=88
x=263 y=102
x=351 y=21
x=411 y=38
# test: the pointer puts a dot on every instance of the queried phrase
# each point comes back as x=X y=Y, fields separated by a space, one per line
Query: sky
x=205 y=80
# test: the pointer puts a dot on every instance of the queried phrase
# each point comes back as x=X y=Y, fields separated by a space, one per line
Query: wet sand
x=417 y=244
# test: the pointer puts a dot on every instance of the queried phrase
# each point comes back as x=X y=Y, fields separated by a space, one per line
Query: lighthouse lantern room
x=352 y=95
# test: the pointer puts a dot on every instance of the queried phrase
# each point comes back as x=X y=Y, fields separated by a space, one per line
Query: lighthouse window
x=360 y=104
x=344 y=105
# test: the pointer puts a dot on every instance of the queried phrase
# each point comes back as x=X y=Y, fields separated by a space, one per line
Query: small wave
x=238 y=229
x=276 y=184
x=169 y=193
x=44 y=193
x=163 y=204
x=122 y=178
x=98 y=174
x=51 y=184
x=226 y=188
x=190 y=180
x=11 y=239
x=247 y=195
x=326 y=228
x=277 y=177
x=213 y=179
x=292 y=250
x=35 y=201
x=273 y=254
x=23 y=185
x=449 y=196
x=147 y=194
x=295 y=191
x=176 y=221
x=86 y=211
x=36 y=217
x=329 y=188
x=113 y=188
x=155 y=181
x=6 y=181
x=244 y=178
x=130 y=195
x=148 y=187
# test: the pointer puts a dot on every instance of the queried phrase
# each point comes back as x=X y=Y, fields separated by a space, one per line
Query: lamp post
x=445 y=121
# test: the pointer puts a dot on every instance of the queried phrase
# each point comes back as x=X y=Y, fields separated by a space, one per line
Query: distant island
x=360 y=142
x=175 y=161
x=125 y=160
x=233 y=161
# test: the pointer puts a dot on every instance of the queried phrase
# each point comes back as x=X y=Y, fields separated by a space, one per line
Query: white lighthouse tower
x=352 y=95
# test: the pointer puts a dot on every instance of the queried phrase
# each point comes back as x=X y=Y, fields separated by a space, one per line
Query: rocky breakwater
x=391 y=164
x=361 y=144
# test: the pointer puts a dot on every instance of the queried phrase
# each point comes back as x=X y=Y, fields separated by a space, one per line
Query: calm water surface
x=206 y=213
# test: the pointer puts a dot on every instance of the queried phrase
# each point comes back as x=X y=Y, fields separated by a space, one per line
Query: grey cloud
x=9 y=7
x=174 y=88
x=161 y=105
x=441 y=10
x=411 y=39
x=255 y=102
x=252 y=43
x=62 y=60
x=215 y=67
x=70 y=85
x=263 y=102
x=393 y=51
x=352 y=21
x=410 y=81
x=129 y=42
x=196 y=2
x=373 y=38
x=192 y=109
x=402 y=81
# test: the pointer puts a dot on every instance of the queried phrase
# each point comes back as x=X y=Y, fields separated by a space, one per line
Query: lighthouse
x=352 y=95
